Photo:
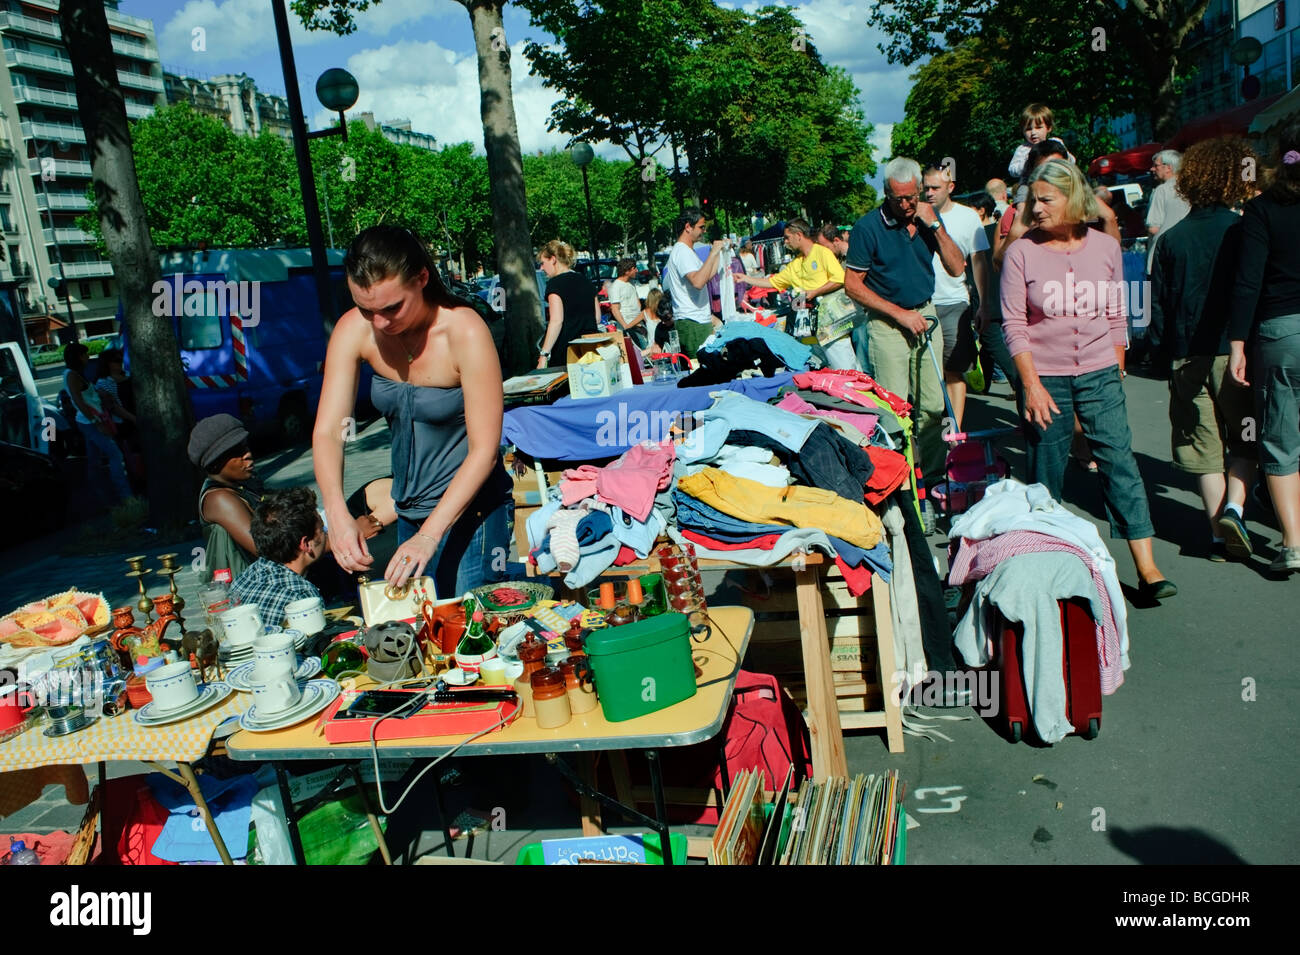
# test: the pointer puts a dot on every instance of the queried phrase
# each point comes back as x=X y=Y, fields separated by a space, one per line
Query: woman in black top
x=1266 y=309
x=574 y=308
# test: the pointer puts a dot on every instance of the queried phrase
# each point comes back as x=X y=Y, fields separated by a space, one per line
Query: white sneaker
x=1287 y=560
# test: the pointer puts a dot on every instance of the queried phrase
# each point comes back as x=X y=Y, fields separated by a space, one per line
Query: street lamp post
x=582 y=155
x=338 y=91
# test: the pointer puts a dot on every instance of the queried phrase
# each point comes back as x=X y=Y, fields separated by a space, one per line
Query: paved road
x=1196 y=761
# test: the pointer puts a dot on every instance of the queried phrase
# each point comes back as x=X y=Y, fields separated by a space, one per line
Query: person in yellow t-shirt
x=815 y=271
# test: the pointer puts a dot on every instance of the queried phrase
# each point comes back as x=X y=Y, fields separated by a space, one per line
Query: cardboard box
x=597 y=378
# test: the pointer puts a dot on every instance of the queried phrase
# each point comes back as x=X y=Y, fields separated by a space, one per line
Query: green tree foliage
x=201 y=182
x=763 y=122
x=1090 y=60
x=964 y=105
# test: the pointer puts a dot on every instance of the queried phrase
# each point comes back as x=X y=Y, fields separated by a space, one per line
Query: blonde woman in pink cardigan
x=1066 y=323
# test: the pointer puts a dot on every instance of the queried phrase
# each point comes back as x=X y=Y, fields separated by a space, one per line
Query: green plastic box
x=642 y=667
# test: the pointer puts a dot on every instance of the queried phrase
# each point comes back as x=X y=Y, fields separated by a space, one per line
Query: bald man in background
x=998 y=190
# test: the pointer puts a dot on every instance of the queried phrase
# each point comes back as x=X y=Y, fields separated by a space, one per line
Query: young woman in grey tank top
x=438 y=382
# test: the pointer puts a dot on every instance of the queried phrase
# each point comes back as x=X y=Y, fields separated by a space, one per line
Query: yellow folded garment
x=590 y=358
x=756 y=503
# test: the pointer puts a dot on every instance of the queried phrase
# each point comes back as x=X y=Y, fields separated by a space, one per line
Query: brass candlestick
x=170 y=570
x=139 y=572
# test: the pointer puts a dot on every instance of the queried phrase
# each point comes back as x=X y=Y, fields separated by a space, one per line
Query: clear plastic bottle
x=19 y=854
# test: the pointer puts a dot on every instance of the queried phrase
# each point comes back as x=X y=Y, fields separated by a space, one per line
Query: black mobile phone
x=479 y=695
x=372 y=703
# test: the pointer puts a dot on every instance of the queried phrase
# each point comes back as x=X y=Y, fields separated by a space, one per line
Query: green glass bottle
x=476 y=642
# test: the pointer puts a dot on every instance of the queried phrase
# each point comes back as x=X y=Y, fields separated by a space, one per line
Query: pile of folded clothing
x=602 y=517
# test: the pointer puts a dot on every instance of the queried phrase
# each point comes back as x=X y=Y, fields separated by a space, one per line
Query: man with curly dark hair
x=290 y=537
x=1192 y=278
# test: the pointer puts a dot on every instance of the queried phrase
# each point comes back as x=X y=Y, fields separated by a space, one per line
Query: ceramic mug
x=276 y=695
x=172 y=686
x=12 y=710
x=274 y=657
x=241 y=625
x=307 y=615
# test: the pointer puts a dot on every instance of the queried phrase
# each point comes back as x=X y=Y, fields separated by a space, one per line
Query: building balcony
x=39 y=61
x=87 y=270
x=62 y=167
x=43 y=97
x=138 y=110
x=139 y=81
x=32 y=26
x=62 y=201
x=68 y=237
x=54 y=132
x=133 y=48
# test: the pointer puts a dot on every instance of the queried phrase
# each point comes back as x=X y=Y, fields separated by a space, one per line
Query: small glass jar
x=622 y=614
x=550 y=698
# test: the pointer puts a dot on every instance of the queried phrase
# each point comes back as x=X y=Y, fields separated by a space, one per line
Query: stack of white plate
x=233 y=654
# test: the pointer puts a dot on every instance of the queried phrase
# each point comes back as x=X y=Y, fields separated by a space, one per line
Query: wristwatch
x=936 y=225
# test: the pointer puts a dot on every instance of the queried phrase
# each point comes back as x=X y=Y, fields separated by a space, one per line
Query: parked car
x=487 y=292
x=26 y=419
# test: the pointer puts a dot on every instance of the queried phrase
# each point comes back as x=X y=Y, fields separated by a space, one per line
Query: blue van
x=251 y=339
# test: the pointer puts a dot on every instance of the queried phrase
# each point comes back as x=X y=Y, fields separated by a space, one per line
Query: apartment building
x=45 y=164
x=234 y=99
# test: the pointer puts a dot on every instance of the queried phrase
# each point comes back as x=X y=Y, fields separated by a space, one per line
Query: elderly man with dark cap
x=230 y=493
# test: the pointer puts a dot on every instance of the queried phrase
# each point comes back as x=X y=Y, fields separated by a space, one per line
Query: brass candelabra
x=138 y=571
x=170 y=570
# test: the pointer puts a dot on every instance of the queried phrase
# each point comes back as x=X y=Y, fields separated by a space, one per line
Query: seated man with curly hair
x=290 y=537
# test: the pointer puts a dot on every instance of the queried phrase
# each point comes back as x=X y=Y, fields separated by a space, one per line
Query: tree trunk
x=506 y=187
x=162 y=406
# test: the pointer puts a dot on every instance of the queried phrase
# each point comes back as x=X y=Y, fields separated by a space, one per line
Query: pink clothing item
x=866 y=423
x=1067 y=309
x=976 y=559
x=850 y=386
x=630 y=482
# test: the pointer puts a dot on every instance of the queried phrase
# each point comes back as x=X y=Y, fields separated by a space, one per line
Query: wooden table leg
x=591 y=823
x=192 y=784
x=827 y=737
x=889 y=674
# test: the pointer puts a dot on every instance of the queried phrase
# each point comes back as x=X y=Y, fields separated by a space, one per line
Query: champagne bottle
x=476 y=642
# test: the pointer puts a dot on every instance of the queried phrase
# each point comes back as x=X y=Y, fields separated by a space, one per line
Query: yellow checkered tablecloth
x=121 y=738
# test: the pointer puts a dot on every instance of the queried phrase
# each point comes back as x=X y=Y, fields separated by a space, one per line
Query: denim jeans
x=103 y=450
x=1098 y=399
x=474 y=552
x=994 y=342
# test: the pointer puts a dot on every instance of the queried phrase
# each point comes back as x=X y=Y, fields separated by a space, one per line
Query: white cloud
x=232 y=30
x=382 y=18
x=437 y=90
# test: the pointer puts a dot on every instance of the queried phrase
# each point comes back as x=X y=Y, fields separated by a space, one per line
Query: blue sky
x=414 y=59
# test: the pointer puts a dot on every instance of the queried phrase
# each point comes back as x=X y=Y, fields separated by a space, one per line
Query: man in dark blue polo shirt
x=889 y=271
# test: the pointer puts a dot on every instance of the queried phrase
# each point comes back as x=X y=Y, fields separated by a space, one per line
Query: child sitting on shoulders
x=1036 y=122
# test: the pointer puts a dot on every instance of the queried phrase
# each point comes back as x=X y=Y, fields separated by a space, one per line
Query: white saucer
x=241 y=677
x=458 y=677
x=209 y=696
x=316 y=695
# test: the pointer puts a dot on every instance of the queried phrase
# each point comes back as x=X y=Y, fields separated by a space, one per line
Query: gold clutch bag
x=382 y=602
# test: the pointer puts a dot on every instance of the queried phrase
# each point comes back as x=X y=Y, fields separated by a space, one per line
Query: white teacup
x=242 y=624
x=277 y=695
x=172 y=686
x=307 y=615
x=274 y=656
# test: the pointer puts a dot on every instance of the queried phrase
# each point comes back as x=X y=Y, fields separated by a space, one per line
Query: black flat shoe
x=1157 y=589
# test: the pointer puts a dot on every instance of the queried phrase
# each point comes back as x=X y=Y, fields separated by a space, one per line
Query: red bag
x=764 y=731
x=129 y=804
